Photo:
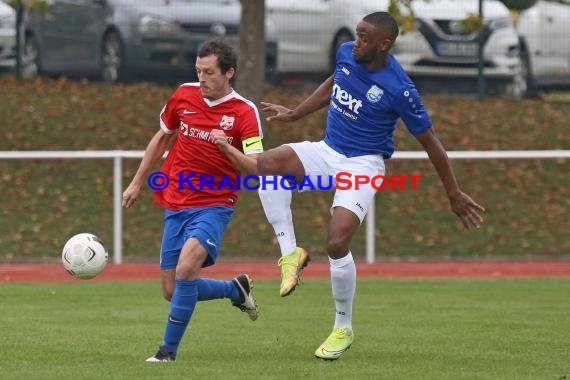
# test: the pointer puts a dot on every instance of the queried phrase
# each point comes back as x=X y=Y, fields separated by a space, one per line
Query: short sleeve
x=169 y=119
x=251 y=132
x=409 y=106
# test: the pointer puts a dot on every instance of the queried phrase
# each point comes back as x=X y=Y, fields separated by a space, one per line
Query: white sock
x=343 y=283
x=277 y=206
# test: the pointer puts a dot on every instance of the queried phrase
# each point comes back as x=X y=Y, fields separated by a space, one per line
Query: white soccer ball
x=84 y=256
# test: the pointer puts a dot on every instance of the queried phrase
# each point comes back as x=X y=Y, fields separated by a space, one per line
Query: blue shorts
x=207 y=224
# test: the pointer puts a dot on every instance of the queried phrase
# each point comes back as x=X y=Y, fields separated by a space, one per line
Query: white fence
x=119 y=155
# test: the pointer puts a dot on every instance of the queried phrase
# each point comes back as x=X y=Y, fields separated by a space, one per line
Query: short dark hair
x=385 y=21
x=227 y=57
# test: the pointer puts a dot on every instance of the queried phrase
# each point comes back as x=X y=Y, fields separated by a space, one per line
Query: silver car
x=123 y=40
x=7 y=36
x=545 y=45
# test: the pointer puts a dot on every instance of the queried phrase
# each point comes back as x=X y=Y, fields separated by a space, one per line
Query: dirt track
x=137 y=272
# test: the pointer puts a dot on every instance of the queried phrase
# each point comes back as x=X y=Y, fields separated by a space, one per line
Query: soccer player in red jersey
x=213 y=134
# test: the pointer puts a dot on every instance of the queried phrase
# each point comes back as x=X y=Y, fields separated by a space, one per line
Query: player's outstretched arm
x=462 y=205
x=317 y=100
x=154 y=151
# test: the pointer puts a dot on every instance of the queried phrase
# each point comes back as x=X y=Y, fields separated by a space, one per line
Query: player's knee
x=275 y=161
x=265 y=164
x=337 y=247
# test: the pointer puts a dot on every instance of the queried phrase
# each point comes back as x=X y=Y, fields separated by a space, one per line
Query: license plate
x=458 y=49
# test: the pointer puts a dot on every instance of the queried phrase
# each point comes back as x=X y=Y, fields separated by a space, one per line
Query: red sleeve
x=251 y=123
x=169 y=119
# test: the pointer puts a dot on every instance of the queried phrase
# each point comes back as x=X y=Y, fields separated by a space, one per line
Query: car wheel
x=526 y=76
x=111 y=58
x=30 y=58
x=519 y=85
x=340 y=38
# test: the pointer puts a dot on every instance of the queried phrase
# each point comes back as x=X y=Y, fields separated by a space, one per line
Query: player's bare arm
x=155 y=149
x=317 y=100
x=247 y=163
x=462 y=205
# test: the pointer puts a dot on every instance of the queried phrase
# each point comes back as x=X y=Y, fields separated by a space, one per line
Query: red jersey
x=194 y=160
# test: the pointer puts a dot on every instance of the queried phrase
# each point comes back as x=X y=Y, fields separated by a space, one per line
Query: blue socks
x=181 y=307
x=186 y=294
x=209 y=289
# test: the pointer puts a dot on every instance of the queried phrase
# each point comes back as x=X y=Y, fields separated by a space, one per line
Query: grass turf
x=405 y=329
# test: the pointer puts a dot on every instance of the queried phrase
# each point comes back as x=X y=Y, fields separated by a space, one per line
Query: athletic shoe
x=336 y=344
x=163 y=355
x=246 y=302
x=291 y=266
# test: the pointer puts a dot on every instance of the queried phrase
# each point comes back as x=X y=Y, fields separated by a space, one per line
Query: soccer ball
x=84 y=256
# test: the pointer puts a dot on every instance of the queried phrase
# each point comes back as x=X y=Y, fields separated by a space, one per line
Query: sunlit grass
x=405 y=329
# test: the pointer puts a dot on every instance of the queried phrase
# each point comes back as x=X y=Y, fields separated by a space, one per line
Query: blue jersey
x=365 y=106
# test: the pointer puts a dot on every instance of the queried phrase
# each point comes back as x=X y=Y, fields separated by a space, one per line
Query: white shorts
x=322 y=163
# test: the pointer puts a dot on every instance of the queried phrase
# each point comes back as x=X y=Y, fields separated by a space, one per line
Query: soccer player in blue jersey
x=367 y=93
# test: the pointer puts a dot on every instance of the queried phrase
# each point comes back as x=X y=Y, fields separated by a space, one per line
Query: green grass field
x=405 y=329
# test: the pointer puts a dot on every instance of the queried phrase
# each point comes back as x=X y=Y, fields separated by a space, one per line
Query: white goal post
x=118 y=155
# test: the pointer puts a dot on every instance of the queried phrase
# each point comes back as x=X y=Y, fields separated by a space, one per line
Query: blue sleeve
x=409 y=106
x=344 y=51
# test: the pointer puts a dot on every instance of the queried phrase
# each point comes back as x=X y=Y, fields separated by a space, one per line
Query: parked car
x=310 y=31
x=545 y=45
x=440 y=53
x=7 y=36
x=122 y=40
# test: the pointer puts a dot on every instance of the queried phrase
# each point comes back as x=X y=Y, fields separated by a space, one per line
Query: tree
x=251 y=65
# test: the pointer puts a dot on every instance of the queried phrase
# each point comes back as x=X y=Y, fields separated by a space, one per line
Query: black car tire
x=526 y=73
x=341 y=37
x=31 y=62
x=112 y=69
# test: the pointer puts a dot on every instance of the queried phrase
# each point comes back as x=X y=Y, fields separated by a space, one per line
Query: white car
x=545 y=44
x=309 y=32
x=7 y=36
x=439 y=51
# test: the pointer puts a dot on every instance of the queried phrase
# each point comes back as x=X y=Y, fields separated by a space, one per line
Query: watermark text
x=341 y=181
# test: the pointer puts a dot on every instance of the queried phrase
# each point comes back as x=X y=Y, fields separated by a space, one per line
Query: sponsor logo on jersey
x=198 y=133
x=346 y=99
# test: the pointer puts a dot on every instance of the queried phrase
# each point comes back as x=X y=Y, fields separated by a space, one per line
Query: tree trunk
x=251 y=63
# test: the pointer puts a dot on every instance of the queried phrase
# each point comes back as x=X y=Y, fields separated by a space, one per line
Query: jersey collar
x=212 y=103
